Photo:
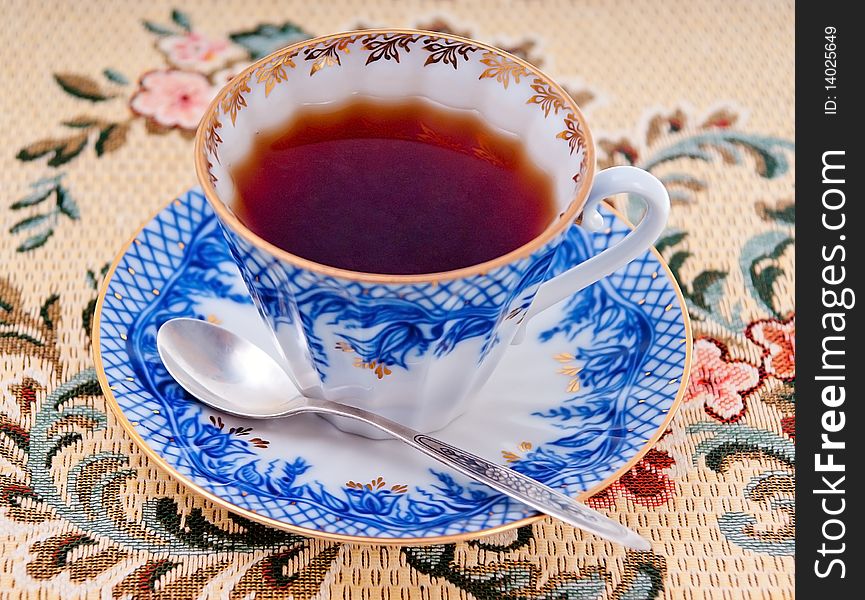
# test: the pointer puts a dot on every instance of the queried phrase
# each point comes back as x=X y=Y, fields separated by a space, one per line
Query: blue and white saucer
x=578 y=403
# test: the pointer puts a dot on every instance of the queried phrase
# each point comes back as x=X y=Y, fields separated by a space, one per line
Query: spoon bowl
x=233 y=375
x=225 y=371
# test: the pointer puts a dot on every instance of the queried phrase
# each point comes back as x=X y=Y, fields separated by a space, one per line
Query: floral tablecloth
x=99 y=104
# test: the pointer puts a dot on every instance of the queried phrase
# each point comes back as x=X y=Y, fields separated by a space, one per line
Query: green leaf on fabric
x=502 y=576
x=14 y=432
x=63 y=150
x=668 y=241
x=524 y=536
x=35 y=241
x=81 y=122
x=763 y=276
x=181 y=19
x=739 y=441
x=115 y=76
x=768 y=152
x=59 y=443
x=21 y=336
x=739 y=528
x=702 y=284
x=785 y=214
x=81 y=86
x=676 y=261
x=66 y=204
x=87 y=317
x=83 y=386
x=266 y=38
x=47 y=308
x=194 y=530
x=29 y=223
x=111 y=138
x=33 y=199
x=157 y=29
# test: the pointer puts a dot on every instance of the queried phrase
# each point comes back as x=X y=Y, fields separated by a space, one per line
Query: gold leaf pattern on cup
x=212 y=139
x=572 y=133
x=274 y=72
x=502 y=69
x=546 y=97
x=447 y=52
x=234 y=100
x=388 y=46
x=327 y=55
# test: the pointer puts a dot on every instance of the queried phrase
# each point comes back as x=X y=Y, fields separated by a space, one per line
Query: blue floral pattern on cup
x=617 y=330
x=385 y=323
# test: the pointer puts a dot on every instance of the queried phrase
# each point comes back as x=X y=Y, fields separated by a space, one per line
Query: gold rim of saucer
x=112 y=403
x=566 y=219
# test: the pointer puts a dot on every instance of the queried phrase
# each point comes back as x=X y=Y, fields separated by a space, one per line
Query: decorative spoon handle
x=502 y=479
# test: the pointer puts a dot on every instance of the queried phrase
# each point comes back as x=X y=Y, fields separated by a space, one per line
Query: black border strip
x=828 y=262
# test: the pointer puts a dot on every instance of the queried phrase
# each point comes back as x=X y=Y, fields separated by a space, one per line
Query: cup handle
x=615 y=180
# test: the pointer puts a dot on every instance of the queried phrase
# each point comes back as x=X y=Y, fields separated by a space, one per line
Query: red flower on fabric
x=720 y=382
x=788 y=426
x=646 y=483
x=778 y=341
x=605 y=499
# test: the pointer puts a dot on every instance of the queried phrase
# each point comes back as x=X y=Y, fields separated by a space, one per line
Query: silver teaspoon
x=224 y=371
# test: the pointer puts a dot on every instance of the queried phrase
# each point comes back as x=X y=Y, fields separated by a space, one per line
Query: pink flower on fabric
x=778 y=340
x=720 y=383
x=173 y=98
x=196 y=52
x=221 y=78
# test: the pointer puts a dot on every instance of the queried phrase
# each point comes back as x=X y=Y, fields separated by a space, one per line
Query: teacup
x=413 y=348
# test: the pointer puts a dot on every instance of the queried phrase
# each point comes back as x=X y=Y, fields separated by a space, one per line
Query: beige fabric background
x=633 y=60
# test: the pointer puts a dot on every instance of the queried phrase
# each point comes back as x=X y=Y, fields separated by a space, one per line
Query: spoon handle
x=502 y=479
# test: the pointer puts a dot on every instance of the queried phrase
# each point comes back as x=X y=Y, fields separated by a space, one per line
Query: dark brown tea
x=394 y=188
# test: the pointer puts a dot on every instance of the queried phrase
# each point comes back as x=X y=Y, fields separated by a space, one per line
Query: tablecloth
x=698 y=92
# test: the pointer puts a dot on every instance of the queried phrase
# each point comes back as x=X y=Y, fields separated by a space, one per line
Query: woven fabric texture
x=700 y=93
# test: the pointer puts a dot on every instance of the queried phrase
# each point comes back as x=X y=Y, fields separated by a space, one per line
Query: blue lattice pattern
x=642 y=291
x=388 y=324
x=180 y=258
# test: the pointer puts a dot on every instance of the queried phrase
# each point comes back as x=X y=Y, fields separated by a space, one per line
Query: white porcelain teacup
x=413 y=348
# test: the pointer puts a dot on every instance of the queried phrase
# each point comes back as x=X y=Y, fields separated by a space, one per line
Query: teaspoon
x=224 y=370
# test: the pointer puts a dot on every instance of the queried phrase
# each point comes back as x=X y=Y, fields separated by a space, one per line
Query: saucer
x=580 y=401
